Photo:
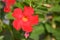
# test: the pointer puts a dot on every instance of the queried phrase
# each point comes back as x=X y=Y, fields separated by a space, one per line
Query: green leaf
x=36 y=32
x=57 y=18
x=49 y=28
x=19 y=5
x=57 y=34
x=9 y=16
x=55 y=8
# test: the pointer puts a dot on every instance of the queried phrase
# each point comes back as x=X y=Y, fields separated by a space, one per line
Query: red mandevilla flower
x=24 y=19
x=8 y=3
x=6 y=9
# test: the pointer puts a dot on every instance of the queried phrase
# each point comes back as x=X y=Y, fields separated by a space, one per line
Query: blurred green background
x=42 y=31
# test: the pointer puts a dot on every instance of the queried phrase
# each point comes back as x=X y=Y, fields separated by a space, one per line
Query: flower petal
x=27 y=27
x=16 y=25
x=28 y=11
x=9 y=2
x=34 y=19
x=6 y=9
x=17 y=13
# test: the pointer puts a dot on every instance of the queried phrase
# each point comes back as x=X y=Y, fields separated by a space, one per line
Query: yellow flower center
x=25 y=19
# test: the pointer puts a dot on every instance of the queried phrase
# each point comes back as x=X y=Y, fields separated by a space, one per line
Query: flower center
x=25 y=19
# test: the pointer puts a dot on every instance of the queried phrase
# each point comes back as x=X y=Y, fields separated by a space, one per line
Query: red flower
x=6 y=9
x=24 y=19
x=9 y=2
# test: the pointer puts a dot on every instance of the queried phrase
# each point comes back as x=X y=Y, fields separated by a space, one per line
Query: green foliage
x=36 y=32
x=38 y=29
x=9 y=16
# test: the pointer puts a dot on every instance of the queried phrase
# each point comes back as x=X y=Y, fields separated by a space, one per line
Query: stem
x=30 y=3
x=11 y=33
